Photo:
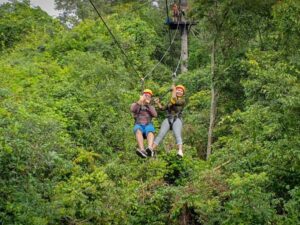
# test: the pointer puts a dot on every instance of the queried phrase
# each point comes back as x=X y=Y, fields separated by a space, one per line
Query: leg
x=154 y=146
x=177 y=129
x=140 y=139
x=138 y=131
x=165 y=127
x=149 y=130
x=150 y=139
x=180 y=151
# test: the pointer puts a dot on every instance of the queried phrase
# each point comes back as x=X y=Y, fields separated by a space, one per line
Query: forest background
x=67 y=150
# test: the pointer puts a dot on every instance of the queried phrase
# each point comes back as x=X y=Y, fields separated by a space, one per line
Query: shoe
x=150 y=152
x=141 y=153
x=180 y=153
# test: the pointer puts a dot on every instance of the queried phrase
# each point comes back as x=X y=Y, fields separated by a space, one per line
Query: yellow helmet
x=148 y=91
x=180 y=87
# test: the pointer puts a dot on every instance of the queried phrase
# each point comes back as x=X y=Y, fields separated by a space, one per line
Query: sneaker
x=150 y=152
x=180 y=153
x=141 y=153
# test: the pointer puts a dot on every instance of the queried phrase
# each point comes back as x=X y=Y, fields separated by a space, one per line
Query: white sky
x=46 y=5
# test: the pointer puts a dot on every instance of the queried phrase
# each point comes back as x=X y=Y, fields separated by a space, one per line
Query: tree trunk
x=213 y=104
x=184 y=217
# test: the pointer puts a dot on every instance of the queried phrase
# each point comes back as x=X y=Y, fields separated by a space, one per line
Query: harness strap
x=171 y=116
x=138 y=116
x=174 y=120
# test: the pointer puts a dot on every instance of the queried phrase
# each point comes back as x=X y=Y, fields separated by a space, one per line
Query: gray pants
x=165 y=127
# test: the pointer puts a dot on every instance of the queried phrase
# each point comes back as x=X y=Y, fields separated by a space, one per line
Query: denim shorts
x=145 y=129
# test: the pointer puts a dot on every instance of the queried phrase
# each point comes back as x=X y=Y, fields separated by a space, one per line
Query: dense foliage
x=67 y=150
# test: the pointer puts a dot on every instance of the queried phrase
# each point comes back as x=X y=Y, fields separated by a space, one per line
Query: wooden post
x=184 y=49
x=184 y=39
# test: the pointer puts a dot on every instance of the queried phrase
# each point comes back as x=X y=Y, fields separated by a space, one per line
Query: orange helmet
x=180 y=87
x=148 y=91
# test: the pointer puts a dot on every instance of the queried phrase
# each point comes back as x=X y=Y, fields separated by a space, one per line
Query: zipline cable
x=164 y=55
x=168 y=20
x=169 y=48
x=124 y=53
x=169 y=29
x=171 y=42
x=114 y=38
x=174 y=75
x=139 y=7
x=196 y=36
x=151 y=71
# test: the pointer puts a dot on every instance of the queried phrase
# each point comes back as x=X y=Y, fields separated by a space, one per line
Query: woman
x=173 y=121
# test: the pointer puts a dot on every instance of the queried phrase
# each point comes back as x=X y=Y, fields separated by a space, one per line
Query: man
x=143 y=113
x=175 y=10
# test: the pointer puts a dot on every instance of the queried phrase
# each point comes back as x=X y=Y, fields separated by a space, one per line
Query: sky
x=46 y=5
x=49 y=6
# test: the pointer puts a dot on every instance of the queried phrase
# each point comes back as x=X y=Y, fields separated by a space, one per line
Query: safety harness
x=139 y=116
x=173 y=117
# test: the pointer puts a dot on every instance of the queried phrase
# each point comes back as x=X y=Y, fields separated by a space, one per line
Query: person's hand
x=156 y=100
x=173 y=87
x=141 y=100
x=147 y=101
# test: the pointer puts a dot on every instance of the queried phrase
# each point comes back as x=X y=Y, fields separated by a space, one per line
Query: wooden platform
x=173 y=25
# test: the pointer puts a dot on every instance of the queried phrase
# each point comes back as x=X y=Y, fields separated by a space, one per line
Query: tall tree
x=230 y=24
x=76 y=10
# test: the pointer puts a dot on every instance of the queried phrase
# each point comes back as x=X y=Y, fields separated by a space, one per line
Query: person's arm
x=180 y=101
x=141 y=101
x=175 y=99
x=152 y=111
x=174 y=96
x=173 y=91
x=135 y=107
x=157 y=102
x=160 y=106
